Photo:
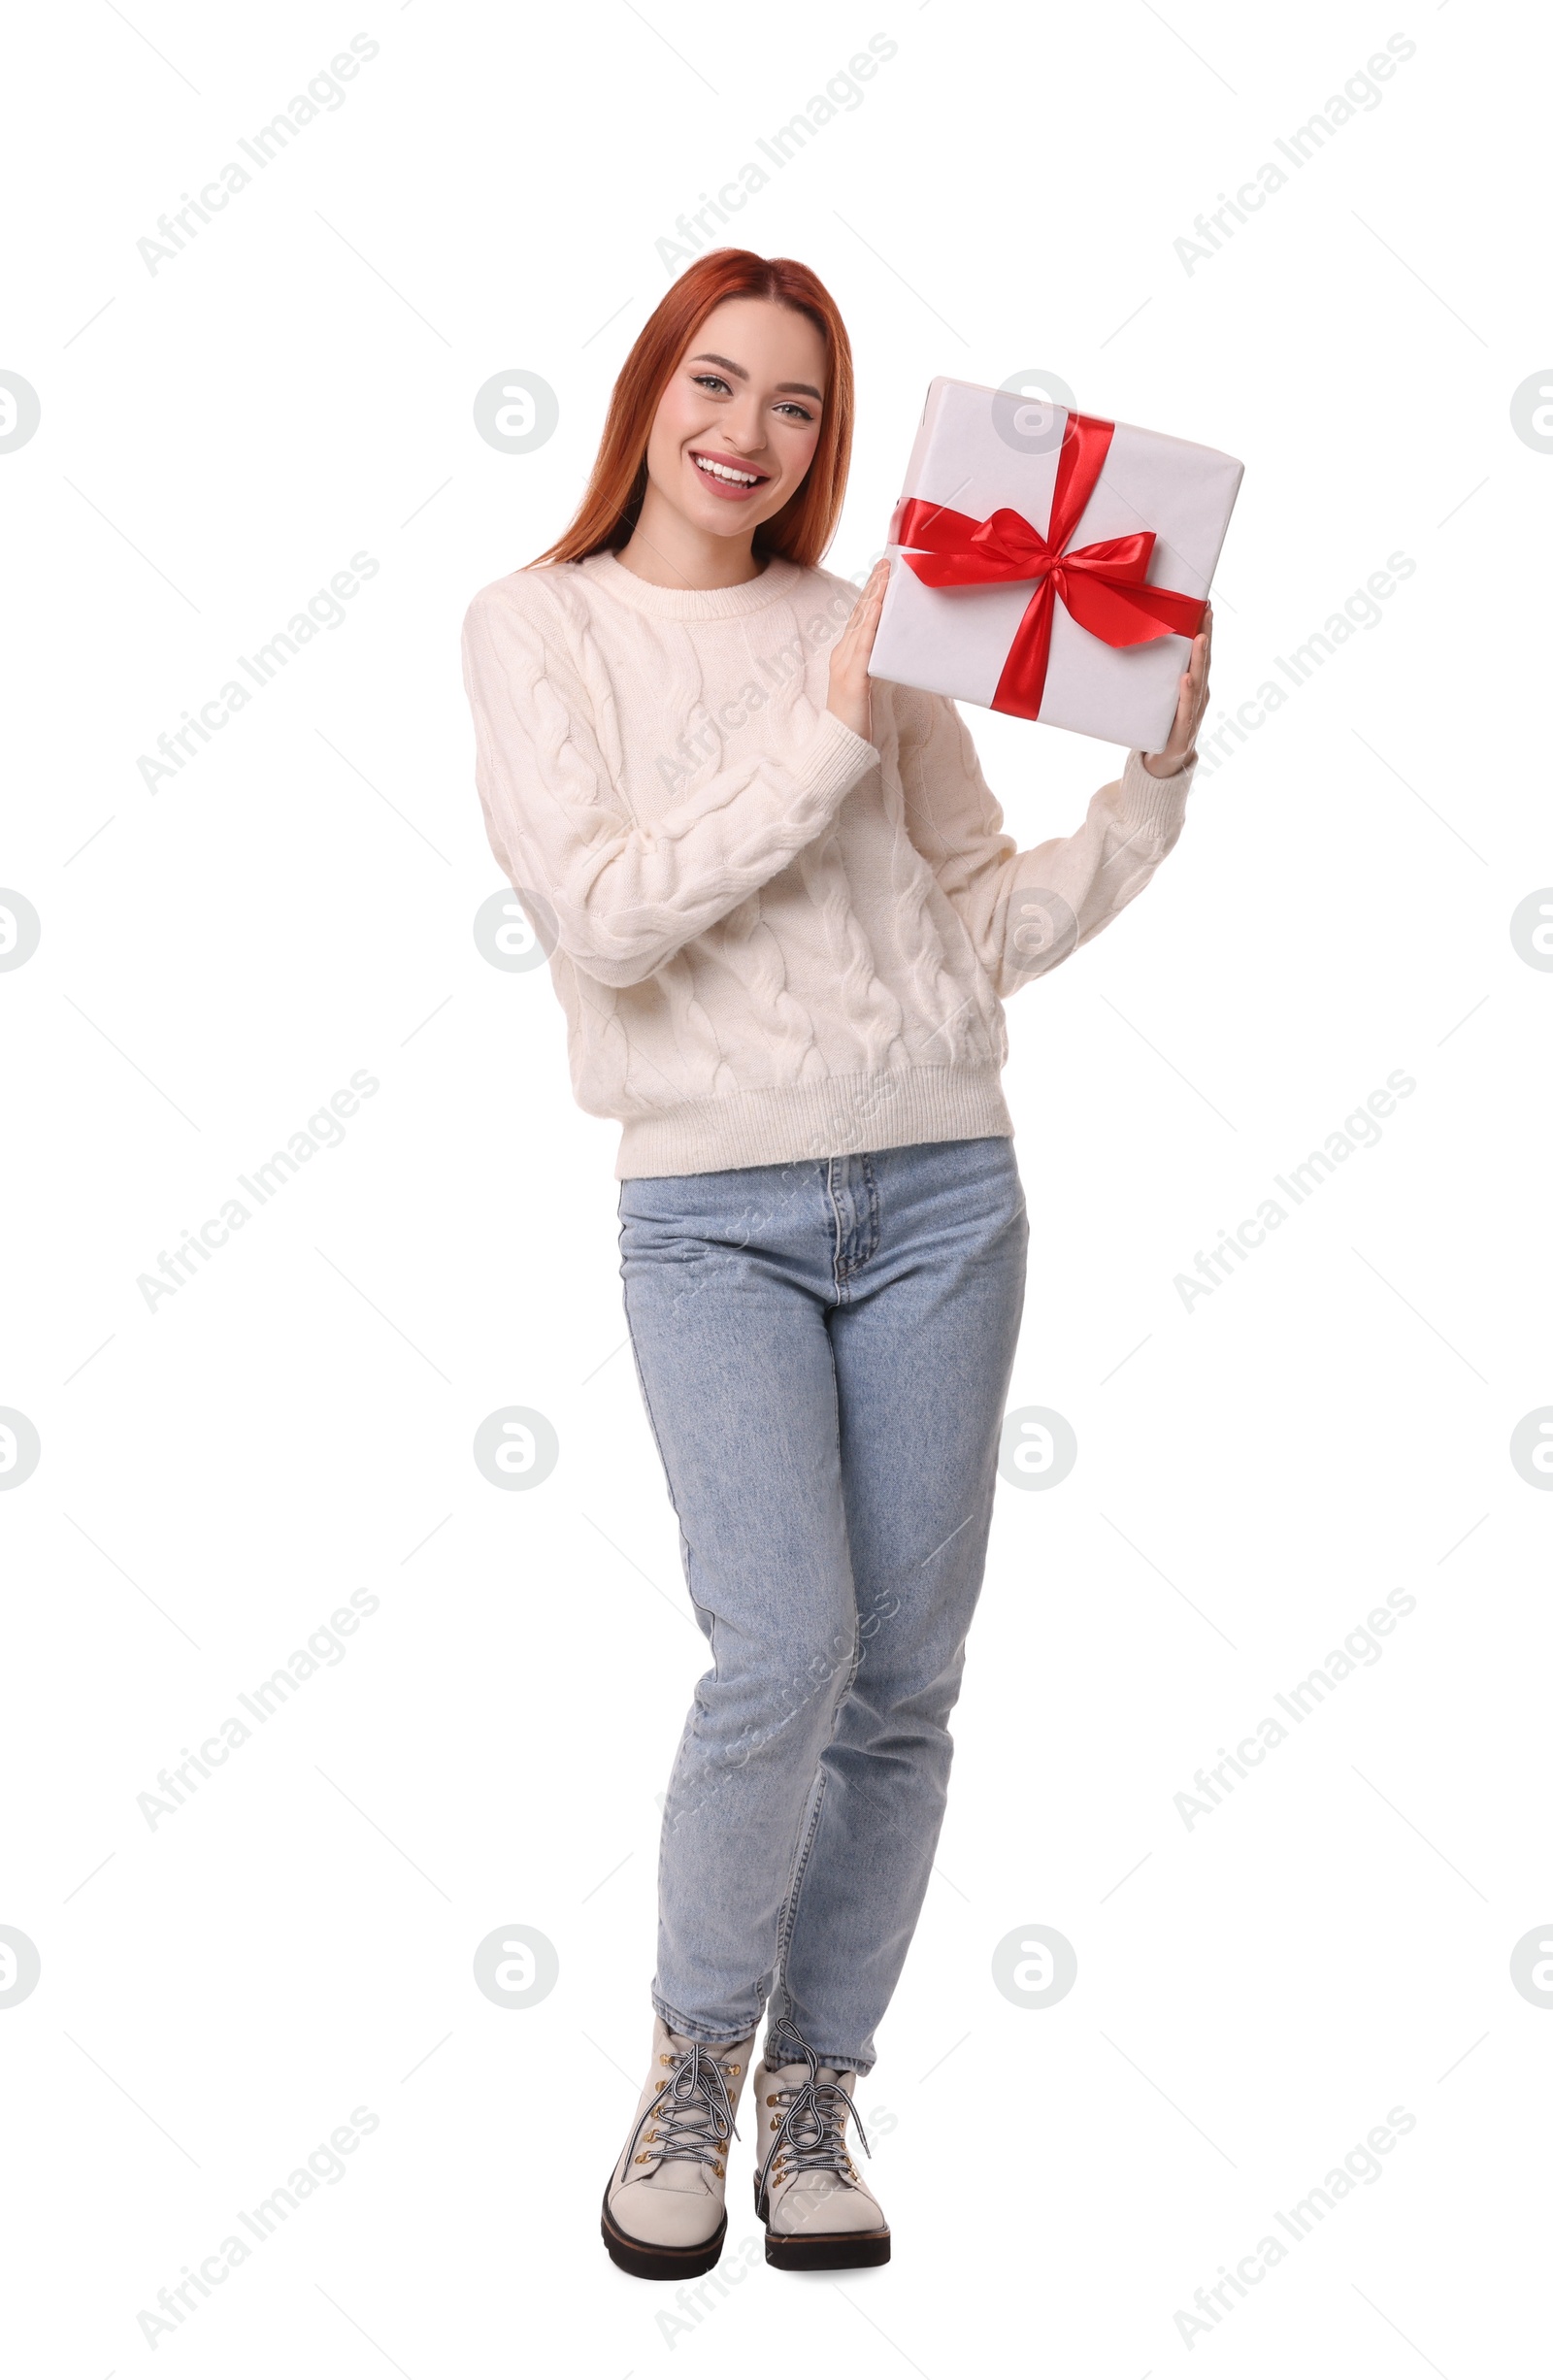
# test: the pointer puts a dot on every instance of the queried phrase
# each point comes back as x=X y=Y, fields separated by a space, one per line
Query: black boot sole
x=647 y=2262
x=822 y=2251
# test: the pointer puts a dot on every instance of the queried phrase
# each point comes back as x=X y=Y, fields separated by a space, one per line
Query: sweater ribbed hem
x=840 y=1117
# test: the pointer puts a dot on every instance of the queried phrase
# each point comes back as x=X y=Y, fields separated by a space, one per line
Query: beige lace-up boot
x=664 y=2216
x=818 y=2216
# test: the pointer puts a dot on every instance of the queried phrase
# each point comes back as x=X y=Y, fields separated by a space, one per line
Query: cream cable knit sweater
x=772 y=940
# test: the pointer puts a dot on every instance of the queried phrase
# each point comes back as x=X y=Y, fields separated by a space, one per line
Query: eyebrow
x=784 y=388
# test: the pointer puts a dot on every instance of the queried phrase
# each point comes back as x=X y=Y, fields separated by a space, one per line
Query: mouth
x=726 y=476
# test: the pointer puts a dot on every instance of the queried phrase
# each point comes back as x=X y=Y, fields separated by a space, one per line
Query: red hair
x=612 y=499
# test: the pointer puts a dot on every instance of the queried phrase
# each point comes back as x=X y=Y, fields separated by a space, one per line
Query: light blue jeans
x=824 y=1348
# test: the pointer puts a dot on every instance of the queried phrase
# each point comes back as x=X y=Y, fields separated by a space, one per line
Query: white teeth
x=720 y=470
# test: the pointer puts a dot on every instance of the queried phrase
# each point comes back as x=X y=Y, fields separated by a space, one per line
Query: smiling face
x=736 y=426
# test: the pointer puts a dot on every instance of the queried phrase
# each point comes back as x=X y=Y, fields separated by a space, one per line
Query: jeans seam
x=837 y=1256
x=788 y=1917
x=789 y=1909
x=668 y=1476
x=843 y=1265
x=695 y=1600
x=788 y=1922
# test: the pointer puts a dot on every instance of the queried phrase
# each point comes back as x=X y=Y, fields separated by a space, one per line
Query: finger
x=871 y=597
x=865 y=617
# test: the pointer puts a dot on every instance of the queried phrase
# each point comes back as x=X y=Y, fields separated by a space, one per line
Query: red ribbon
x=1102 y=586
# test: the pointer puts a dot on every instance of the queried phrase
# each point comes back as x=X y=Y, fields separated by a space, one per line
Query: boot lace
x=691 y=2116
x=809 y=2139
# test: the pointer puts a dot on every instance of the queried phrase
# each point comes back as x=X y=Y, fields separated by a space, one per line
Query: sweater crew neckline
x=712 y=603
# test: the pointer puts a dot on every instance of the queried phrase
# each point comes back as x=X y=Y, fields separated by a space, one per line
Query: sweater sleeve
x=625 y=897
x=1026 y=911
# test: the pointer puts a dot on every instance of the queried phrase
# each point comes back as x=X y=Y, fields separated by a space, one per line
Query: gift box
x=1050 y=564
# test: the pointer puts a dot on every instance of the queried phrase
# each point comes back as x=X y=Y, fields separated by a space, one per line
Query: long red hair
x=806 y=522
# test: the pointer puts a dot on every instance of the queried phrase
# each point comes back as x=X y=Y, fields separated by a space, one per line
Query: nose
x=745 y=425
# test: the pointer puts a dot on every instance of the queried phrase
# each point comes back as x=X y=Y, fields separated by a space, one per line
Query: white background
x=217 y=958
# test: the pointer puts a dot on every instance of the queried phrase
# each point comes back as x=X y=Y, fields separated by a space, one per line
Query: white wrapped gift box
x=982 y=452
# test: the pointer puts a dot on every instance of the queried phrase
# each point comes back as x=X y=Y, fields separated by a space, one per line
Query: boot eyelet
x=643 y=2159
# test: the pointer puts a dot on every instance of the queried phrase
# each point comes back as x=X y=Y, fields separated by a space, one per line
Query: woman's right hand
x=848 y=699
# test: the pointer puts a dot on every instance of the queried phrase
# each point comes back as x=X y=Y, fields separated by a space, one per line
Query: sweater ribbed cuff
x=1155 y=805
x=836 y=759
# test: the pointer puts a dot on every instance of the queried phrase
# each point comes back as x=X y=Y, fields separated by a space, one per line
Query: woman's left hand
x=1189 y=709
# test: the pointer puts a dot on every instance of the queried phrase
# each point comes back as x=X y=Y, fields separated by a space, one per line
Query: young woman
x=780 y=911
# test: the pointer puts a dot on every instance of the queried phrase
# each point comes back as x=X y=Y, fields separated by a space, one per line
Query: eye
x=711 y=379
x=790 y=405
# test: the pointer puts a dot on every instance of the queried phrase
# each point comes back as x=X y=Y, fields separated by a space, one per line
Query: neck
x=669 y=550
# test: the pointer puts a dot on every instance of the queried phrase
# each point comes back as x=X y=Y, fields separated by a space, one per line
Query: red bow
x=1102 y=586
